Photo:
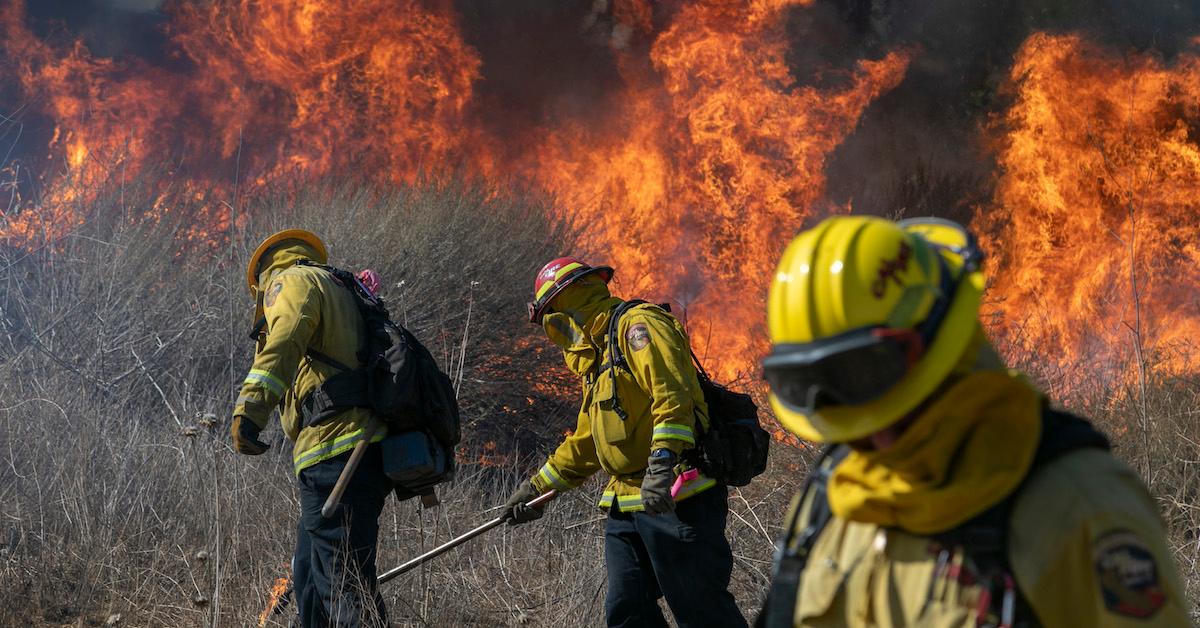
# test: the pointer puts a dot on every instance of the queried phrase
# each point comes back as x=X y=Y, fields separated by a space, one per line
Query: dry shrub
x=121 y=349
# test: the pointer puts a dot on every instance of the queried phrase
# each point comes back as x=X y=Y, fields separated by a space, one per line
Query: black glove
x=515 y=509
x=656 y=485
x=245 y=437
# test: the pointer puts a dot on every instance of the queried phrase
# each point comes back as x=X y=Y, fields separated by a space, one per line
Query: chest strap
x=792 y=551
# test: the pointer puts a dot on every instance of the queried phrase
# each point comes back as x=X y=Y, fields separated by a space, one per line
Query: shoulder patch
x=1127 y=575
x=273 y=293
x=638 y=336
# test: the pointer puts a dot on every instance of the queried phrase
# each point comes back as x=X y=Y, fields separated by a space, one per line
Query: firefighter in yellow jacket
x=641 y=411
x=952 y=494
x=301 y=313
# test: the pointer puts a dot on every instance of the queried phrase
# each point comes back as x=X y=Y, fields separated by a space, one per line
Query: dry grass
x=121 y=497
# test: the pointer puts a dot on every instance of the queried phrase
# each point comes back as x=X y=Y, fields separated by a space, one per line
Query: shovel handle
x=360 y=448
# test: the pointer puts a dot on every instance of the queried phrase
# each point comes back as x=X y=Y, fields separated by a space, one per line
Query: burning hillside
x=1095 y=232
x=688 y=176
x=677 y=134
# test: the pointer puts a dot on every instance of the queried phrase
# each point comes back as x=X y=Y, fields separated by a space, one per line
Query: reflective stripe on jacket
x=305 y=308
x=661 y=397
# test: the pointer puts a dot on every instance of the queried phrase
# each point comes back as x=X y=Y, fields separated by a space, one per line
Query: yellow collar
x=966 y=452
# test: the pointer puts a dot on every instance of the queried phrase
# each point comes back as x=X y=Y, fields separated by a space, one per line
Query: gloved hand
x=245 y=437
x=656 y=485
x=515 y=509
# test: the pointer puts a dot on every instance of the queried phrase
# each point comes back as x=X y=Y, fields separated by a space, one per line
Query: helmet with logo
x=867 y=317
x=554 y=277
x=307 y=237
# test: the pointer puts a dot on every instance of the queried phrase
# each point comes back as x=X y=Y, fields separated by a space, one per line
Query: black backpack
x=399 y=380
x=731 y=445
x=984 y=538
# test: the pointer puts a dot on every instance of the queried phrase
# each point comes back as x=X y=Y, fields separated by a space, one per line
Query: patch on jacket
x=1128 y=575
x=638 y=336
x=273 y=293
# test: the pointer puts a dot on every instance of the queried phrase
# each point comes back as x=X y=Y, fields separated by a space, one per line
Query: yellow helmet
x=867 y=318
x=302 y=235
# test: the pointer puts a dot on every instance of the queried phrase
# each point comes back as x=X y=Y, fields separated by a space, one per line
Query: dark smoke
x=141 y=6
x=917 y=149
x=541 y=61
x=110 y=28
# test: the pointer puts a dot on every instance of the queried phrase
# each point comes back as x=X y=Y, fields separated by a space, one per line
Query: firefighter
x=300 y=311
x=952 y=493
x=665 y=529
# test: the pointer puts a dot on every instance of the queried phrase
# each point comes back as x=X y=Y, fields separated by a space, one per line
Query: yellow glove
x=245 y=437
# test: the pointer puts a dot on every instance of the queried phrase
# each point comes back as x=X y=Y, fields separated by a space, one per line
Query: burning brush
x=281 y=596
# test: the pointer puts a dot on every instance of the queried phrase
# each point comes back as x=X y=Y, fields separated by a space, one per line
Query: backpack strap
x=984 y=538
x=348 y=388
x=616 y=357
x=321 y=357
x=793 y=550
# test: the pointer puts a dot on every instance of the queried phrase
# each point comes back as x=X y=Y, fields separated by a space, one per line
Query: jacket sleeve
x=659 y=357
x=1099 y=557
x=575 y=460
x=292 y=306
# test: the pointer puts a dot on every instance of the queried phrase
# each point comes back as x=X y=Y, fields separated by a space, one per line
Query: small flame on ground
x=277 y=590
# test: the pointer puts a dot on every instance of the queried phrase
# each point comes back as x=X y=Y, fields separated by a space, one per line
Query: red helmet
x=556 y=276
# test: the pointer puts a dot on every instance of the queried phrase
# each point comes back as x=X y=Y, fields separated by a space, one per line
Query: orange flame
x=690 y=180
x=277 y=590
x=709 y=162
x=1095 y=235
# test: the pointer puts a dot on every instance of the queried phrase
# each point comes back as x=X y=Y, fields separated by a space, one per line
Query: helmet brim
x=537 y=308
x=303 y=235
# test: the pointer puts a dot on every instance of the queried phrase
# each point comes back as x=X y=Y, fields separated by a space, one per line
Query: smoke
x=138 y=6
x=918 y=148
x=109 y=28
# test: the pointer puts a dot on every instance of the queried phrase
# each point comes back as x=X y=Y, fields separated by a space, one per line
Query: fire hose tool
x=455 y=542
x=335 y=497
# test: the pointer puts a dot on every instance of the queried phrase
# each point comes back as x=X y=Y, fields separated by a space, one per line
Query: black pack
x=984 y=538
x=731 y=445
x=399 y=380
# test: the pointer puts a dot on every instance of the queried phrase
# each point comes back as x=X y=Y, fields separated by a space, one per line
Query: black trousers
x=334 y=565
x=682 y=556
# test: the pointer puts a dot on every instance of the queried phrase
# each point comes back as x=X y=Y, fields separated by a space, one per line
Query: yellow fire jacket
x=1086 y=548
x=304 y=309
x=661 y=397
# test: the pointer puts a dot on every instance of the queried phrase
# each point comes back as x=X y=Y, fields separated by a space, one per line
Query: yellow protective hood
x=579 y=321
x=971 y=447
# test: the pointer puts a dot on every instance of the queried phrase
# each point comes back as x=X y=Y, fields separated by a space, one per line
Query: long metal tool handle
x=459 y=540
x=335 y=497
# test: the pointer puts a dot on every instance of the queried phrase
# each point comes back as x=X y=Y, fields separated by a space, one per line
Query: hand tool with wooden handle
x=331 y=503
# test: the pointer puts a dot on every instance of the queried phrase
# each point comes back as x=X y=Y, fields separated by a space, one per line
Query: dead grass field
x=120 y=354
